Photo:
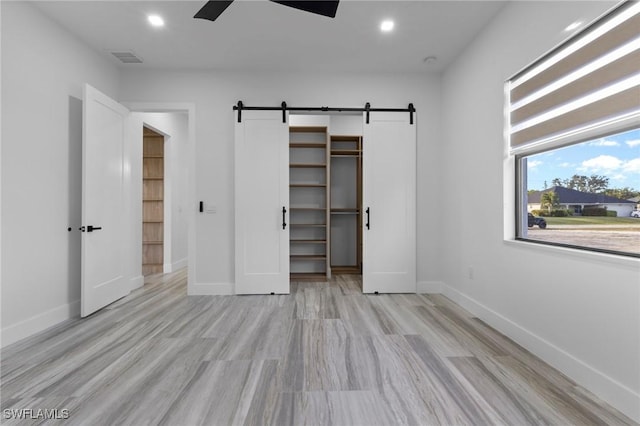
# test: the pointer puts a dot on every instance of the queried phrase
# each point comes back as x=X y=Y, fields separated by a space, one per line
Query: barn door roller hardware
x=240 y=106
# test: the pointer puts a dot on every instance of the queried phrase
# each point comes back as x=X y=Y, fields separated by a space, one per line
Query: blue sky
x=616 y=156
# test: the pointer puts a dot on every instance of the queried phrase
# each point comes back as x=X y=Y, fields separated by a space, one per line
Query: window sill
x=609 y=258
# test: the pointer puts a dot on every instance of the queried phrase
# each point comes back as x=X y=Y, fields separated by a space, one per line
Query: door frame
x=136 y=199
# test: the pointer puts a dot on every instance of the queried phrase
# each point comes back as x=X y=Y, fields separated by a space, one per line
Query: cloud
x=602 y=163
x=604 y=142
x=632 y=166
x=619 y=178
x=566 y=165
x=633 y=143
x=609 y=165
x=532 y=164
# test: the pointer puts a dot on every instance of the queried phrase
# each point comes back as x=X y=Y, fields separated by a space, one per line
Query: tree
x=593 y=184
x=597 y=184
x=550 y=200
x=625 y=193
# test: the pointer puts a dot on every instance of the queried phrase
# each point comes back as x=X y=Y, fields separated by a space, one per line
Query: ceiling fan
x=214 y=8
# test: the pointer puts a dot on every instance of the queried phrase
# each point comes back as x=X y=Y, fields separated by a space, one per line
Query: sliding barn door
x=389 y=203
x=262 y=203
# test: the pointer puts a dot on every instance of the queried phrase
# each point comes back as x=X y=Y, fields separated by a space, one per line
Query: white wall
x=214 y=94
x=174 y=126
x=579 y=312
x=43 y=70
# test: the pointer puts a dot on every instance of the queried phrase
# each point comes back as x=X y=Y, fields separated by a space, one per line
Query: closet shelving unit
x=346 y=202
x=152 y=203
x=309 y=199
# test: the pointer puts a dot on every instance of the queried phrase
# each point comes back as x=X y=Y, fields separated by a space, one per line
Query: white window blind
x=589 y=82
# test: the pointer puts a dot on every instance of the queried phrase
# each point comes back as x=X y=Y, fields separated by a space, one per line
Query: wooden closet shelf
x=153 y=156
x=345 y=269
x=153 y=177
x=308 y=165
x=308 y=257
x=307 y=129
x=345 y=152
x=345 y=210
x=345 y=138
x=309 y=241
x=308 y=208
x=308 y=225
x=307 y=145
x=308 y=185
x=152 y=242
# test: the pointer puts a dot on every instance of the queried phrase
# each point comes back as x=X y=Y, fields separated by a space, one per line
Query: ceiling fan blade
x=213 y=9
x=324 y=8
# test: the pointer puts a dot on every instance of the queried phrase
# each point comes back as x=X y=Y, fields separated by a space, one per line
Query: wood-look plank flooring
x=324 y=355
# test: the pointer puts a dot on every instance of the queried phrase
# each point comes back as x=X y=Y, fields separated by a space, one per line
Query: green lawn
x=592 y=220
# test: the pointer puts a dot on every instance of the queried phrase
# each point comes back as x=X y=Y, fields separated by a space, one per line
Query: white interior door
x=103 y=201
x=389 y=203
x=262 y=203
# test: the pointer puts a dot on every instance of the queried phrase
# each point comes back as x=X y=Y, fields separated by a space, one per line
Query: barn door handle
x=367 y=224
x=284 y=222
x=90 y=228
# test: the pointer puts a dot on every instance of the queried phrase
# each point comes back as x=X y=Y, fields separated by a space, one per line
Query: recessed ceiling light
x=386 y=26
x=573 y=26
x=155 y=20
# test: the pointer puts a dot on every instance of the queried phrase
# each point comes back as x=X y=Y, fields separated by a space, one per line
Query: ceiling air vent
x=127 y=57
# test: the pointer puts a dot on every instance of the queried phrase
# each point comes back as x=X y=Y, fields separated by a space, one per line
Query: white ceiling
x=262 y=35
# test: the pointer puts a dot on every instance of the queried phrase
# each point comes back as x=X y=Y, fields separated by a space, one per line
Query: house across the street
x=576 y=201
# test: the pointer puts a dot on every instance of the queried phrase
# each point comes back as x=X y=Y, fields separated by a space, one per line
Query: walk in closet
x=319 y=195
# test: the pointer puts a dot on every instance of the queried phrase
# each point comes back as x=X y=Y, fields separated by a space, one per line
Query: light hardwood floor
x=324 y=355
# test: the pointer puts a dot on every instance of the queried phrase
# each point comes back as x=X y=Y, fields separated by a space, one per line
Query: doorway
x=175 y=122
x=152 y=202
x=325 y=195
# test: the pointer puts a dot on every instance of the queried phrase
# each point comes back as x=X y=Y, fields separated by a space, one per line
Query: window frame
x=516 y=156
x=520 y=180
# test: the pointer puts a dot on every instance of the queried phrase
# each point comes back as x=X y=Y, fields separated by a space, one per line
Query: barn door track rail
x=284 y=108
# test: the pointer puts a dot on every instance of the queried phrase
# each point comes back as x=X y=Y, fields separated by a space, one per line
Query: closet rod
x=283 y=107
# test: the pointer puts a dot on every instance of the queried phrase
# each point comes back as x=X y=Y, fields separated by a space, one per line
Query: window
x=585 y=194
x=574 y=131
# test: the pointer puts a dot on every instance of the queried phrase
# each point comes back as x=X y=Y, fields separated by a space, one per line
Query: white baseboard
x=136 y=282
x=182 y=263
x=429 y=287
x=38 y=323
x=211 y=289
x=167 y=268
x=614 y=393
